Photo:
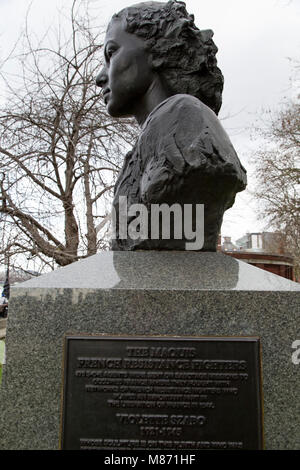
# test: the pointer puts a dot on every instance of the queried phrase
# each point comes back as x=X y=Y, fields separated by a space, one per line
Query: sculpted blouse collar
x=155 y=110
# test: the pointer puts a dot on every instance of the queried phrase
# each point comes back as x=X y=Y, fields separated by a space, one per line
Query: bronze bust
x=161 y=69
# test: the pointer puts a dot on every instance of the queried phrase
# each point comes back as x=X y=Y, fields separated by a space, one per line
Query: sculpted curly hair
x=184 y=56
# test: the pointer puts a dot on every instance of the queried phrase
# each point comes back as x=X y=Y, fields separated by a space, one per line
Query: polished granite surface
x=162 y=270
x=145 y=294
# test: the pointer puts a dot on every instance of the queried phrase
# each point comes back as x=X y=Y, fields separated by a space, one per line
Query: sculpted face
x=127 y=76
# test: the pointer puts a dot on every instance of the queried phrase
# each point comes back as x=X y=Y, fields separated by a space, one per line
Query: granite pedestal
x=145 y=293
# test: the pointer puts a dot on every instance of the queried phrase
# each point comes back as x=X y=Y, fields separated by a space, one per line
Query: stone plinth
x=145 y=293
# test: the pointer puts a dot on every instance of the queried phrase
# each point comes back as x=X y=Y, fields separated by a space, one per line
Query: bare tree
x=60 y=151
x=278 y=177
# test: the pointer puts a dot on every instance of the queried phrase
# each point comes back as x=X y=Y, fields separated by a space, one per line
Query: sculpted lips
x=105 y=94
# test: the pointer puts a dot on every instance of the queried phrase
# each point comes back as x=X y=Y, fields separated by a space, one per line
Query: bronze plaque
x=161 y=393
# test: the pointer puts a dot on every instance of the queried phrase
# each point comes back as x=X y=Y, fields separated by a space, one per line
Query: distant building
x=271 y=242
x=264 y=250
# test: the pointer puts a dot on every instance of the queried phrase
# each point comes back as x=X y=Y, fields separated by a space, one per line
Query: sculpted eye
x=109 y=52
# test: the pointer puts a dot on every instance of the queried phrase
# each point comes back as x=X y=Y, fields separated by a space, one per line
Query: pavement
x=3 y=322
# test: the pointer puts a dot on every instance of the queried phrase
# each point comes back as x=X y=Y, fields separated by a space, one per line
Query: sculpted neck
x=155 y=94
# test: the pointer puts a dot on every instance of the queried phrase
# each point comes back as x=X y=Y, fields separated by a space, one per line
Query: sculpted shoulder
x=186 y=132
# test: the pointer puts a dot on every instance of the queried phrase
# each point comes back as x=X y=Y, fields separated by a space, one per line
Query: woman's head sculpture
x=161 y=69
x=183 y=55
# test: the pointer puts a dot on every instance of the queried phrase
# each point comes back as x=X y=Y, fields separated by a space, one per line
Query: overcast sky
x=256 y=40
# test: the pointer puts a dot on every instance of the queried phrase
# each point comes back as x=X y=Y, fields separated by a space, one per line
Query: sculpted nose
x=102 y=78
